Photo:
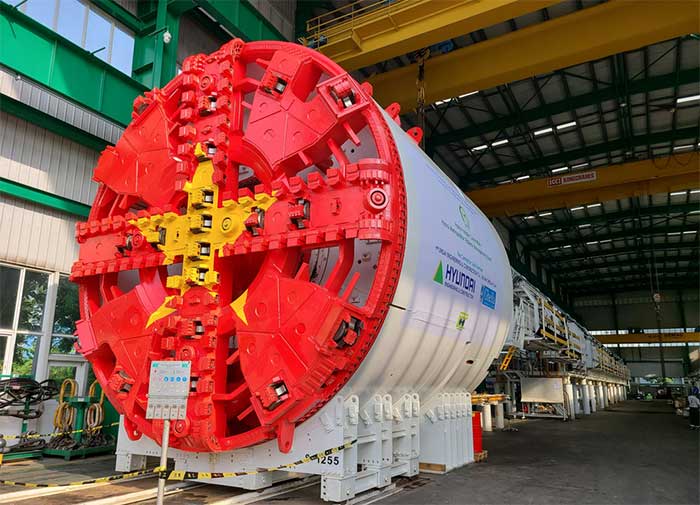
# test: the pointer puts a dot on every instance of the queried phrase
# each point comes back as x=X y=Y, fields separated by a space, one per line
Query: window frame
x=43 y=358
x=90 y=7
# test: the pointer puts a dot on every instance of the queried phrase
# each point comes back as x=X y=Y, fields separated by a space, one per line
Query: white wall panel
x=36 y=236
x=194 y=39
x=280 y=13
x=40 y=98
x=38 y=158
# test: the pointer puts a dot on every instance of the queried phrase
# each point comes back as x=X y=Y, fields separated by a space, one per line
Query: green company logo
x=438 y=273
x=465 y=217
x=461 y=320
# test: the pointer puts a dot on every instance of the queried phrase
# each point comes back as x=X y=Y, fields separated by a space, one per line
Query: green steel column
x=155 y=62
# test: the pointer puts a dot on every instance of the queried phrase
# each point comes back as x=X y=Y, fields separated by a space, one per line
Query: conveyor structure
x=551 y=365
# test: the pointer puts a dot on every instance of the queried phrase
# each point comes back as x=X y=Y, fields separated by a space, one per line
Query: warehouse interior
x=569 y=130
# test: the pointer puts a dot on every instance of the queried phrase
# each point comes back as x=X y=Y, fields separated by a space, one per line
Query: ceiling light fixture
x=563 y=126
x=690 y=98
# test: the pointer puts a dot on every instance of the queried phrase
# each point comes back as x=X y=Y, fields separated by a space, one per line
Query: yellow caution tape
x=98 y=480
x=59 y=433
x=181 y=474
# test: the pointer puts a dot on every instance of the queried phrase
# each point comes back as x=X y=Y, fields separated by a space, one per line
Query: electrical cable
x=94 y=417
x=64 y=417
x=23 y=397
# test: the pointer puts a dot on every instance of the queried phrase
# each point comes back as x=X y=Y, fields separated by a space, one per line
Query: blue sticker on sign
x=488 y=297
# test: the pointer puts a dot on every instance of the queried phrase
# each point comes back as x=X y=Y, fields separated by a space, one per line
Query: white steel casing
x=421 y=348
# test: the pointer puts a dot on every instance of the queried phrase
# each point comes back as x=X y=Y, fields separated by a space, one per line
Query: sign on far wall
x=561 y=180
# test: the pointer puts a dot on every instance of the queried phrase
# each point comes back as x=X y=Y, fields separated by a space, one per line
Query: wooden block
x=432 y=467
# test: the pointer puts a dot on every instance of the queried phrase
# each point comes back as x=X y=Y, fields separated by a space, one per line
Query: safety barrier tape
x=110 y=478
x=59 y=433
x=182 y=475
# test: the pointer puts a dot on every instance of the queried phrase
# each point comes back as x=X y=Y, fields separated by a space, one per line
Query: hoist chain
x=423 y=55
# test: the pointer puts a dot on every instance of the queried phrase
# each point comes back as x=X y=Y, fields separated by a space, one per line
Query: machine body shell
x=453 y=306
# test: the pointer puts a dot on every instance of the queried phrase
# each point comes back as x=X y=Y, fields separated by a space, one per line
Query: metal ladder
x=507 y=358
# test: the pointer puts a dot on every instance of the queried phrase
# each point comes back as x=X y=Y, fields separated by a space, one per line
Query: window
x=86 y=26
x=71 y=20
x=60 y=373
x=98 y=35
x=9 y=281
x=23 y=362
x=27 y=298
x=3 y=348
x=42 y=11
x=65 y=316
x=122 y=50
x=31 y=314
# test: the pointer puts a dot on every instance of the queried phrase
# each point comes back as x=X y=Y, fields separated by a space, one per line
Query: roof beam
x=649 y=338
x=563 y=272
x=639 y=272
x=535 y=166
x=405 y=26
x=611 y=217
x=597 y=237
x=615 y=251
x=636 y=178
x=240 y=18
x=588 y=34
x=656 y=83
x=641 y=284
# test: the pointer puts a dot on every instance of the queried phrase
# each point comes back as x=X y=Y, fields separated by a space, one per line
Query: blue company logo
x=488 y=297
x=452 y=277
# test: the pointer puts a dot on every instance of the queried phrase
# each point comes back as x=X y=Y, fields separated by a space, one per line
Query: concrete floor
x=637 y=453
